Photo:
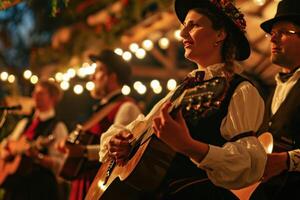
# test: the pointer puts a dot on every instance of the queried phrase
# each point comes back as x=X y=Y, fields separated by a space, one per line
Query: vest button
x=270 y=123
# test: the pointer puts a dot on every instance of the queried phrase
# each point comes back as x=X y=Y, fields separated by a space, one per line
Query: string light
x=11 y=78
x=27 y=74
x=34 y=79
x=78 y=89
x=4 y=76
x=87 y=69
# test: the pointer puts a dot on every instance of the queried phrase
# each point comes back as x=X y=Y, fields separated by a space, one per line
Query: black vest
x=206 y=130
x=44 y=128
x=284 y=124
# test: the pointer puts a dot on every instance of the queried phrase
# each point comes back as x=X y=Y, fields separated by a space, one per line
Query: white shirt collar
x=211 y=71
x=293 y=78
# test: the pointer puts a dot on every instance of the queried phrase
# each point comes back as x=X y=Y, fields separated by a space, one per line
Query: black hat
x=114 y=64
x=233 y=18
x=287 y=10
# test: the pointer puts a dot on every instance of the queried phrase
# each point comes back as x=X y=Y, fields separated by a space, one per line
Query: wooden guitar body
x=17 y=163
x=144 y=171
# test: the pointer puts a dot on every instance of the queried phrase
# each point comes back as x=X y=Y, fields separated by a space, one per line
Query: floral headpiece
x=228 y=7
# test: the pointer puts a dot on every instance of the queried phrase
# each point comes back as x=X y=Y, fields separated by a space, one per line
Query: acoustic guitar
x=150 y=158
x=14 y=160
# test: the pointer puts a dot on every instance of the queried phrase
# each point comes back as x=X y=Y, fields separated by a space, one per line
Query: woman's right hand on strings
x=119 y=147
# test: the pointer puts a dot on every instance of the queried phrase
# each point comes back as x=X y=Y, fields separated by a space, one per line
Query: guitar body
x=73 y=162
x=143 y=172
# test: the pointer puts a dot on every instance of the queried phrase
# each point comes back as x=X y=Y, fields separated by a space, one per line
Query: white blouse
x=236 y=164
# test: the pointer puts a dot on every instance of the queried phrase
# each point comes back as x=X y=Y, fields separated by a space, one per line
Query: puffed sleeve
x=240 y=163
x=127 y=113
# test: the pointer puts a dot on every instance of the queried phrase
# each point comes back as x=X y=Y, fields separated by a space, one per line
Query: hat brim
x=267 y=25
x=182 y=7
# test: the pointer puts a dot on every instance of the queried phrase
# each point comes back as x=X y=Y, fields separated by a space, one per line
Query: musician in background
x=282 y=118
x=36 y=136
x=216 y=150
x=111 y=73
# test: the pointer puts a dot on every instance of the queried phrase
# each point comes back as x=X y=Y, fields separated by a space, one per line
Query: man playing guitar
x=111 y=73
x=29 y=155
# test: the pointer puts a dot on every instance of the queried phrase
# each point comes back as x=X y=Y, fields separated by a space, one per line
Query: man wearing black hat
x=282 y=177
x=111 y=73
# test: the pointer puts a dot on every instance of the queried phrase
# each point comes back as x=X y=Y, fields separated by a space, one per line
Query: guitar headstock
x=202 y=100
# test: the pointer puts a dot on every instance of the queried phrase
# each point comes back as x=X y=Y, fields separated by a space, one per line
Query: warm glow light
x=155 y=83
x=127 y=56
x=147 y=45
x=140 y=53
x=78 y=89
x=81 y=72
x=11 y=78
x=34 y=79
x=126 y=90
x=157 y=90
x=27 y=74
x=90 y=85
x=171 y=85
x=59 y=76
x=118 y=51
x=164 y=43
x=64 y=85
x=71 y=73
x=66 y=77
x=137 y=84
x=4 y=76
x=140 y=87
x=133 y=47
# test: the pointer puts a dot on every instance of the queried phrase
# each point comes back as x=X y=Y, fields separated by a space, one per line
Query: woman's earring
x=216 y=44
